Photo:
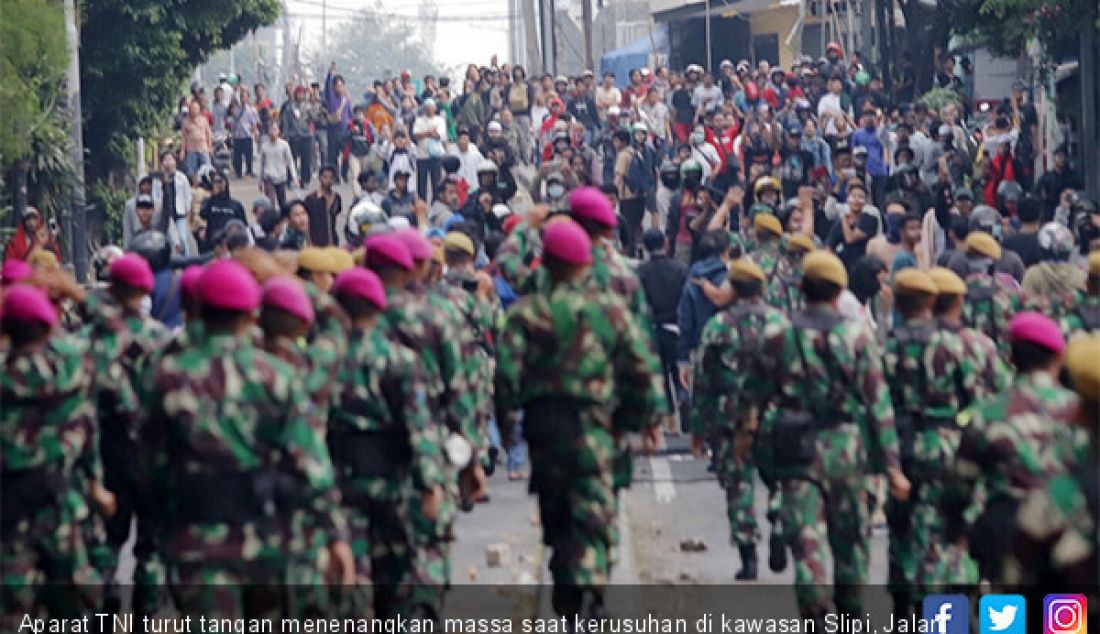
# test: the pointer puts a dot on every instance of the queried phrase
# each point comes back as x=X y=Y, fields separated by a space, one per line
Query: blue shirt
x=876 y=165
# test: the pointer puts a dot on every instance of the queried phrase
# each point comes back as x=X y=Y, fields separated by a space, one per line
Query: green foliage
x=137 y=56
x=939 y=97
x=51 y=172
x=1006 y=26
x=109 y=204
x=368 y=46
x=33 y=59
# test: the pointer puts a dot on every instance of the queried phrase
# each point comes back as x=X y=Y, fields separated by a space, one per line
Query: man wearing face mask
x=886 y=245
x=705 y=154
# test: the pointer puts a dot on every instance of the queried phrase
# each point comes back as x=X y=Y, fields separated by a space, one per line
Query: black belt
x=234 y=497
x=378 y=453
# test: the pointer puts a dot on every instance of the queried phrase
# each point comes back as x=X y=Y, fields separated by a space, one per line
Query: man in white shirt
x=830 y=108
x=468 y=157
x=607 y=95
x=172 y=199
x=706 y=94
x=430 y=133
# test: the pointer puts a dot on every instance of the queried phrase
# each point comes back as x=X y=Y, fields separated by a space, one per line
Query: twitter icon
x=1003 y=614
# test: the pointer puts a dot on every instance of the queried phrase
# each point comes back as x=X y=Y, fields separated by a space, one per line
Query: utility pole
x=75 y=221
x=586 y=19
x=706 y=26
x=547 y=39
x=284 y=69
x=324 y=29
x=531 y=37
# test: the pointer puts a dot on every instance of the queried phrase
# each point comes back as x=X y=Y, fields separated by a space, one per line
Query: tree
x=371 y=45
x=33 y=127
x=1006 y=27
x=136 y=56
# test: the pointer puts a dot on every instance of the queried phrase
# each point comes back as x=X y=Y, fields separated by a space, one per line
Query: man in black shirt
x=684 y=117
x=583 y=108
x=662 y=280
x=852 y=230
x=218 y=211
x=1025 y=242
x=794 y=171
x=1052 y=183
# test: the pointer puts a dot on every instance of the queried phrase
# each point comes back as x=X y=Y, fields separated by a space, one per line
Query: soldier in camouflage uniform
x=784 y=286
x=384 y=446
x=990 y=305
x=832 y=425
x=724 y=408
x=409 y=321
x=228 y=417
x=930 y=383
x=1013 y=444
x=48 y=456
x=579 y=394
x=1055 y=537
x=992 y=374
x=460 y=285
x=1084 y=316
x=769 y=235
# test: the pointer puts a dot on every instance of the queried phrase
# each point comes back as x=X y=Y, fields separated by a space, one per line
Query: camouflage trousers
x=941 y=563
x=578 y=516
x=902 y=577
x=230 y=589
x=381 y=541
x=44 y=565
x=736 y=479
x=819 y=516
x=431 y=556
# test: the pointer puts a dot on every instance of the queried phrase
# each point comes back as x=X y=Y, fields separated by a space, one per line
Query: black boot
x=777 y=553
x=748 y=563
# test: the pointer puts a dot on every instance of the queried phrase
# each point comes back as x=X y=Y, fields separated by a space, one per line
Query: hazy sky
x=467 y=30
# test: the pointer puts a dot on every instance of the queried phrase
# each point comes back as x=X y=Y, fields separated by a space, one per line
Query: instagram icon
x=1065 y=614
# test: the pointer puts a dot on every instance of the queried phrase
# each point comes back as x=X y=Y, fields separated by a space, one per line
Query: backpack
x=638 y=177
x=981 y=311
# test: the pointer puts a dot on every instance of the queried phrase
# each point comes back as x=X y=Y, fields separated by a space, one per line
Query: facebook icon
x=947 y=614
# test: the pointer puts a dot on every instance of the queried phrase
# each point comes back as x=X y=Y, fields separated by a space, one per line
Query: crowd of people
x=864 y=301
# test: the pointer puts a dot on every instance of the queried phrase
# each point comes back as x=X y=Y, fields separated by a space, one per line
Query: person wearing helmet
x=1054 y=284
x=766 y=190
x=1009 y=267
x=364 y=219
x=668 y=182
x=683 y=208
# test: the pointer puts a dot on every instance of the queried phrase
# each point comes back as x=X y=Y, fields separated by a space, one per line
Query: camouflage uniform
x=48 y=457
x=989 y=308
x=724 y=401
x=931 y=381
x=1011 y=445
x=226 y=416
x=832 y=425
x=387 y=454
x=576 y=360
x=1081 y=316
x=784 y=288
x=993 y=375
x=518 y=256
x=415 y=321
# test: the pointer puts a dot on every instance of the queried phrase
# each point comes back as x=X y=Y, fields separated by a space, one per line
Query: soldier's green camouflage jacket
x=1083 y=315
x=49 y=456
x=519 y=254
x=843 y=376
x=380 y=391
x=989 y=308
x=580 y=351
x=726 y=386
x=220 y=410
x=993 y=375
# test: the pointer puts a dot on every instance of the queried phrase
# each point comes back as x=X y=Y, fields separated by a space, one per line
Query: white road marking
x=663 y=487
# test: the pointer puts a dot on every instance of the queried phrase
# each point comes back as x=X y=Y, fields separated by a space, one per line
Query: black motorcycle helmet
x=451 y=164
x=670 y=174
x=153 y=246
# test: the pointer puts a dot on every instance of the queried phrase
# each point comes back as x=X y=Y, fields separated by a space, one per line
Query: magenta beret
x=361 y=283
x=15 y=271
x=591 y=204
x=132 y=270
x=189 y=282
x=387 y=249
x=419 y=247
x=28 y=304
x=567 y=242
x=287 y=294
x=1038 y=329
x=227 y=285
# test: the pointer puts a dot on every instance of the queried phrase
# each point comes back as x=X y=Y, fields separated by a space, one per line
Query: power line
x=397 y=16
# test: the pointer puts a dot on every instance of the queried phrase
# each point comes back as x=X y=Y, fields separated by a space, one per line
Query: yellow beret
x=315 y=260
x=947 y=282
x=913 y=281
x=1094 y=264
x=767 y=222
x=43 y=259
x=437 y=254
x=745 y=270
x=801 y=242
x=983 y=243
x=341 y=259
x=459 y=242
x=1083 y=364
x=823 y=265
